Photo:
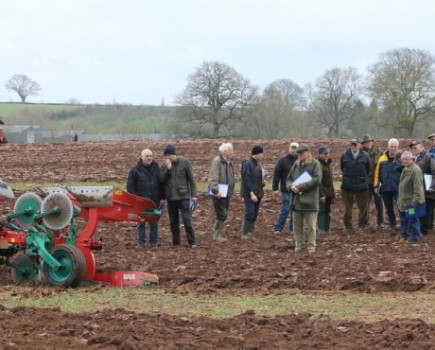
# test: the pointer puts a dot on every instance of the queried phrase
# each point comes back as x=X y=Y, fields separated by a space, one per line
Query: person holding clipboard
x=411 y=199
x=221 y=187
x=304 y=181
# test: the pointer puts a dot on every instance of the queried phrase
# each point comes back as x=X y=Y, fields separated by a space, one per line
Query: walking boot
x=217 y=235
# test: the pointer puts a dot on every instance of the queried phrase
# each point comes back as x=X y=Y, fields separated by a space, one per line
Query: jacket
x=427 y=165
x=411 y=188
x=252 y=178
x=221 y=172
x=326 y=188
x=179 y=181
x=308 y=197
x=144 y=181
x=355 y=171
x=282 y=169
x=374 y=155
x=387 y=174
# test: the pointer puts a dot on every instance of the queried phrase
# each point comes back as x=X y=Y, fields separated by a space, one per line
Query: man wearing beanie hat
x=326 y=190
x=282 y=169
x=305 y=197
x=251 y=189
x=179 y=183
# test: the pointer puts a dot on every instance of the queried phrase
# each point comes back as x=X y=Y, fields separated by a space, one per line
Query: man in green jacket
x=411 y=191
x=178 y=179
x=326 y=190
x=221 y=187
x=304 y=180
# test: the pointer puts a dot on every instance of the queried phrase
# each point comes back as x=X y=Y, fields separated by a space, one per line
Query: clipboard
x=222 y=188
x=415 y=212
x=302 y=178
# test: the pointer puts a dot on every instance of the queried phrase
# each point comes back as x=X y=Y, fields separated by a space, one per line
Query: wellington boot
x=248 y=230
x=217 y=235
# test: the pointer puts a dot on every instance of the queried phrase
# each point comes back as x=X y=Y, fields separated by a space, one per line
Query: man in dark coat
x=355 y=166
x=326 y=190
x=374 y=154
x=280 y=174
x=143 y=180
x=427 y=165
x=251 y=189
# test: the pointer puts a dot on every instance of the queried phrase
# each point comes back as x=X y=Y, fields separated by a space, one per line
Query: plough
x=40 y=239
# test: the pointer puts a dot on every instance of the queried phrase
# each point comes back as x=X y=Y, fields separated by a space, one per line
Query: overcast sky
x=141 y=52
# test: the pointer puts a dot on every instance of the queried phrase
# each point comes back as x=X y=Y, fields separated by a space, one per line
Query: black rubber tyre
x=73 y=269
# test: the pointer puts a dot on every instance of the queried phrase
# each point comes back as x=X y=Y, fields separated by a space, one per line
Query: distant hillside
x=93 y=119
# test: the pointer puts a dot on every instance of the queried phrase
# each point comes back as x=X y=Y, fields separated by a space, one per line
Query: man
x=411 y=191
x=304 y=180
x=374 y=154
x=251 y=190
x=180 y=188
x=427 y=165
x=387 y=178
x=221 y=177
x=326 y=190
x=355 y=166
x=280 y=175
x=143 y=180
x=431 y=138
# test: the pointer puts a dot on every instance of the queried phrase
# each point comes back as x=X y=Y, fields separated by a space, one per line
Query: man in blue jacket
x=280 y=174
x=143 y=180
x=355 y=166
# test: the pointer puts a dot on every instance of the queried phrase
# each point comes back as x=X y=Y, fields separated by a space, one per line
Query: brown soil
x=368 y=260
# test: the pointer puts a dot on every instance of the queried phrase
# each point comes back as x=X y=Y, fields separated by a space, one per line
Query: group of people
x=392 y=178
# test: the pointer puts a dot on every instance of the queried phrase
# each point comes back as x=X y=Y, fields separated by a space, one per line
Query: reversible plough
x=40 y=239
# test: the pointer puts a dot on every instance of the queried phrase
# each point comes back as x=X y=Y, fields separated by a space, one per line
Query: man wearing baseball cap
x=355 y=167
x=431 y=138
x=282 y=169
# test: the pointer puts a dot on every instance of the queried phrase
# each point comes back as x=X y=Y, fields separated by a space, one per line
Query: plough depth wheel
x=25 y=271
x=73 y=269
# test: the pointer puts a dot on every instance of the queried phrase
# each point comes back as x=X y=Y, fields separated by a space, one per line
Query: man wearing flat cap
x=326 y=190
x=305 y=197
x=280 y=174
x=251 y=190
x=374 y=154
x=355 y=167
x=426 y=162
x=178 y=179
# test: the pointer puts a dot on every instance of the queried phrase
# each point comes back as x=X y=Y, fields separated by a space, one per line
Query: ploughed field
x=364 y=261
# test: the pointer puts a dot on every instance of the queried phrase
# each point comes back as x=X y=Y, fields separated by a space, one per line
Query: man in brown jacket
x=221 y=187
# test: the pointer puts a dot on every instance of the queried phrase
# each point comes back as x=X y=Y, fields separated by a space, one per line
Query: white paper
x=303 y=178
x=427 y=181
x=222 y=188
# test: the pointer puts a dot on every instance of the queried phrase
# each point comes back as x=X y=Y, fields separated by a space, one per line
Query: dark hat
x=415 y=143
x=257 y=149
x=169 y=149
x=302 y=148
x=355 y=140
x=323 y=150
x=431 y=135
x=366 y=138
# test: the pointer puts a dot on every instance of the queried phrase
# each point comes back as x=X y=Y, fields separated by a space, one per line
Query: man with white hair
x=387 y=179
x=143 y=180
x=221 y=187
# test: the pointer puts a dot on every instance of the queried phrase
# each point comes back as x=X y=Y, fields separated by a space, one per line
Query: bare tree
x=403 y=85
x=216 y=95
x=333 y=97
x=291 y=92
x=23 y=86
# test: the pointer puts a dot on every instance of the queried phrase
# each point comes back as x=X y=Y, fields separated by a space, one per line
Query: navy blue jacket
x=355 y=171
x=389 y=174
x=281 y=172
x=144 y=181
